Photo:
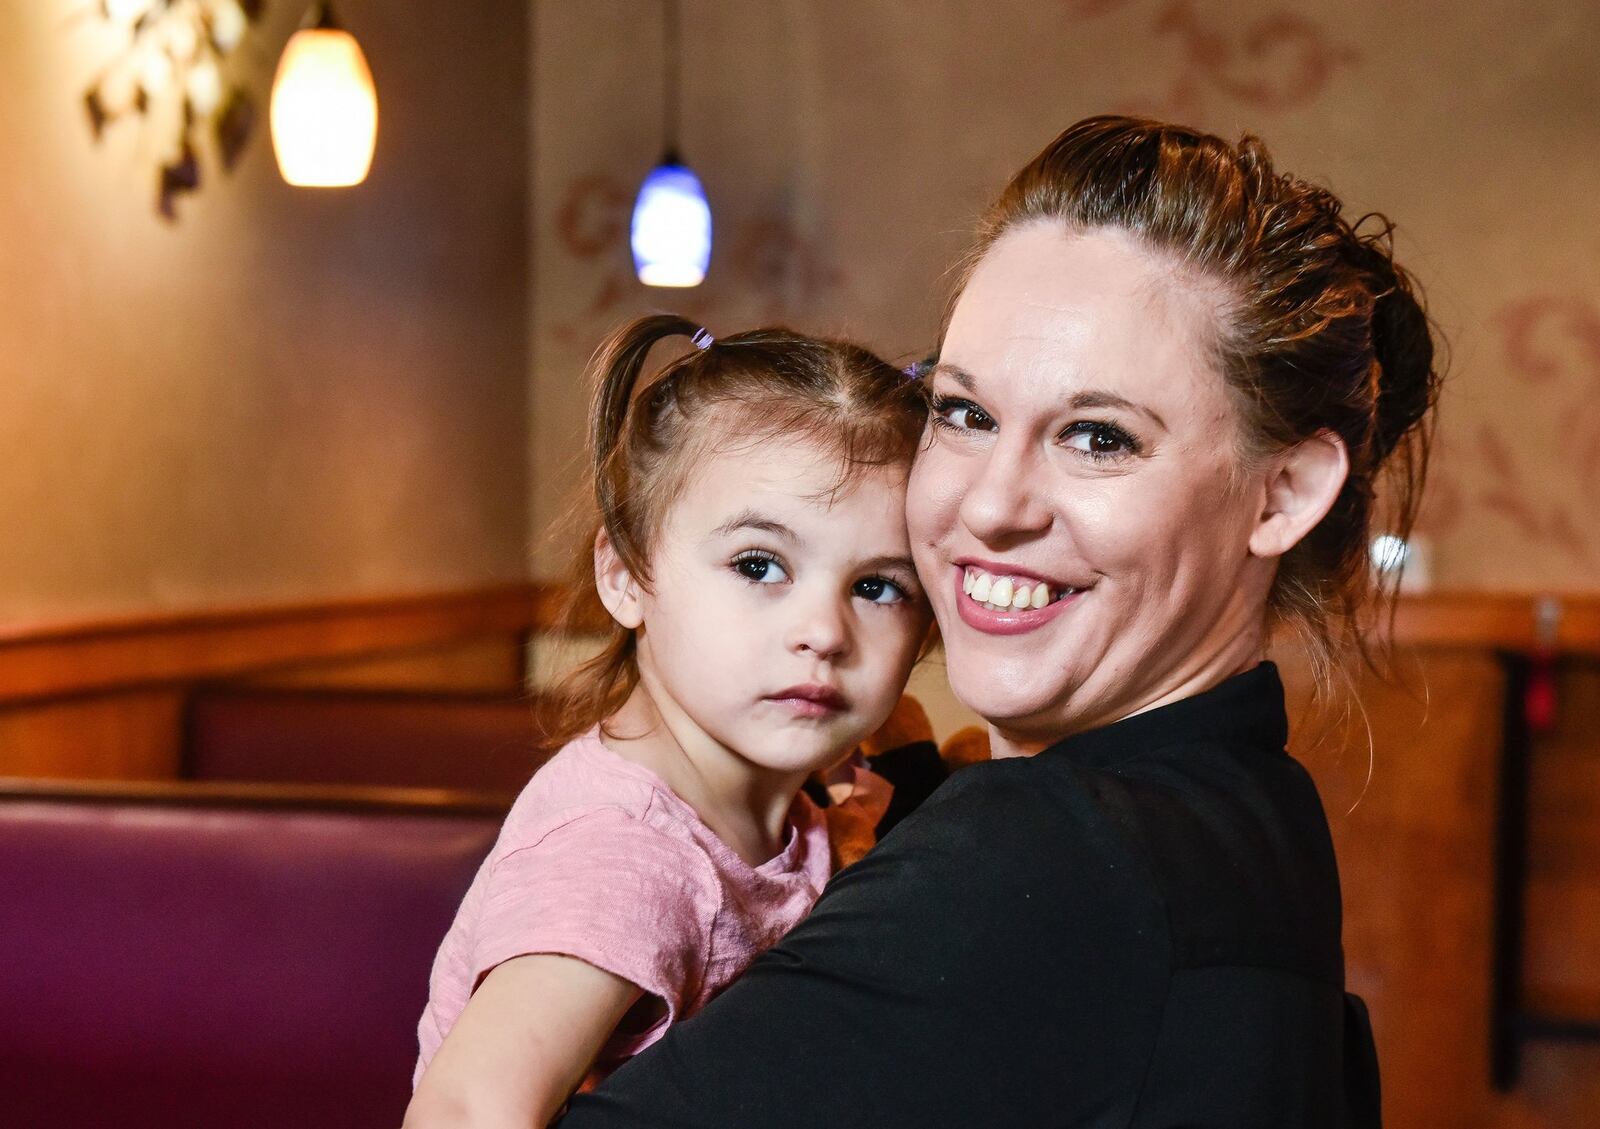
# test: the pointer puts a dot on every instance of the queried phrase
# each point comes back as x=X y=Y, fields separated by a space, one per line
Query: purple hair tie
x=702 y=339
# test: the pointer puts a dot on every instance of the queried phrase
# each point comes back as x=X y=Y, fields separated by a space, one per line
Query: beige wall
x=286 y=394
x=846 y=148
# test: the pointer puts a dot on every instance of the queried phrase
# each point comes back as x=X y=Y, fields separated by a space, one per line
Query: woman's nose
x=820 y=628
x=1003 y=498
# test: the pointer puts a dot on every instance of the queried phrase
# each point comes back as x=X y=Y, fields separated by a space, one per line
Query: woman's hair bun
x=1402 y=343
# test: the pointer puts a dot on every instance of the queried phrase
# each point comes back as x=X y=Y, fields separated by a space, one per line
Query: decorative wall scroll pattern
x=781 y=266
x=777 y=271
x=1273 y=63
x=1551 y=347
x=591 y=223
x=171 y=73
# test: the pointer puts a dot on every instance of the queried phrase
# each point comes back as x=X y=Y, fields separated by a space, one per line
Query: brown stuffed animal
x=883 y=780
x=965 y=746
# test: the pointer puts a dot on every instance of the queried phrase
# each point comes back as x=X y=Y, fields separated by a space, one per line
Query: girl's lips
x=1016 y=621
x=810 y=700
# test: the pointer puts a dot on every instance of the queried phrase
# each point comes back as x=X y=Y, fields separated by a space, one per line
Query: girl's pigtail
x=617 y=366
x=597 y=687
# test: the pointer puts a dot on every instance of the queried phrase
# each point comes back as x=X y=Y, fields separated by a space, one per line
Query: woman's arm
x=521 y=1046
x=997 y=961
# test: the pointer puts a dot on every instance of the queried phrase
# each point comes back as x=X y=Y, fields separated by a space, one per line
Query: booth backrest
x=382 y=738
x=193 y=957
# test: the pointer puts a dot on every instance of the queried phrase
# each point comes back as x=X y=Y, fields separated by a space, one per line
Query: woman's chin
x=1007 y=699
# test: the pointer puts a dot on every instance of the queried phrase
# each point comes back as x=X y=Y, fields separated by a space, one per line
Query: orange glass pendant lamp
x=324 y=106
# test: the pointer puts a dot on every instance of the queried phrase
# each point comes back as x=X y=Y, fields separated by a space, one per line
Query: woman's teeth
x=1005 y=593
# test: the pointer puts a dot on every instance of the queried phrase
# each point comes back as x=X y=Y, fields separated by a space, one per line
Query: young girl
x=751 y=550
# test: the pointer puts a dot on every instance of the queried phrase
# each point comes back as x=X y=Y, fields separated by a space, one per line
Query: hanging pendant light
x=324 y=106
x=671 y=235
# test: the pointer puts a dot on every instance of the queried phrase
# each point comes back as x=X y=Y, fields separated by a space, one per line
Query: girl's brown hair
x=644 y=443
x=1324 y=331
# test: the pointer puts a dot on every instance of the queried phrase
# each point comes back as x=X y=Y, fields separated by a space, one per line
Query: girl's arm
x=522 y=1045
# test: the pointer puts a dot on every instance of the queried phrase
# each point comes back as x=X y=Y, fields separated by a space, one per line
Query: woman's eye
x=760 y=569
x=1100 y=440
x=878 y=590
x=963 y=415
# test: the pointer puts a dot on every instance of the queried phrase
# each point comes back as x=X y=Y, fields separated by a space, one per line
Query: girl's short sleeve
x=613 y=891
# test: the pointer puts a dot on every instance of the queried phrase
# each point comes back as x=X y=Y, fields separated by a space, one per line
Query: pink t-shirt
x=600 y=860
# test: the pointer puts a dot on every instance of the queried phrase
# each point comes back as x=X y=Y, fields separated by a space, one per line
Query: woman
x=1161 y=404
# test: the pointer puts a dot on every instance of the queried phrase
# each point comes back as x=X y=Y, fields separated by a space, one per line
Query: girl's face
x=1082 y=439
x=784 y=618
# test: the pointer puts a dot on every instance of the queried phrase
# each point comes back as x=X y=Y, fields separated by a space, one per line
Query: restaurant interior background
x=310 y=443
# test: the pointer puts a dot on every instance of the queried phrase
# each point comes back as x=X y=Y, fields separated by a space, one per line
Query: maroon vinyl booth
x=177 y=956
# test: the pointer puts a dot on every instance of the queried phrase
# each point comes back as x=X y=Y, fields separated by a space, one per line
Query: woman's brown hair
x=1324 y=331
x=644 y=444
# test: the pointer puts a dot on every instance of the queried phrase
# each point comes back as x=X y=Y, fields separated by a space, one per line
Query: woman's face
x=1082 y=439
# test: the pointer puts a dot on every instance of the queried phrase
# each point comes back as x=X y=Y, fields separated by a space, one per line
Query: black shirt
x=1138 y=927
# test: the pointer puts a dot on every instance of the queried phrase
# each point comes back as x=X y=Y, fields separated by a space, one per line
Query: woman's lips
x=811 y=700
x=1013 y=621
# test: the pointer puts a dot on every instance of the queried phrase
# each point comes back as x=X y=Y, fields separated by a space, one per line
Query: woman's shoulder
x=1022 y=834
x=1232 y=845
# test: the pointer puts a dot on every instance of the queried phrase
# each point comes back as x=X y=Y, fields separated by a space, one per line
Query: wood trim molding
x=1498 y=622
x=51 y=661
x=66 y=660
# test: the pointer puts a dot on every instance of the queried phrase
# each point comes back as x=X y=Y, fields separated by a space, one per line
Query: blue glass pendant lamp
x=671 y=234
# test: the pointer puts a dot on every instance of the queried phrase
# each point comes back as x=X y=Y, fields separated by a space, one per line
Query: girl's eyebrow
x=752 y=519
x=881 y=564
x=1083 y=400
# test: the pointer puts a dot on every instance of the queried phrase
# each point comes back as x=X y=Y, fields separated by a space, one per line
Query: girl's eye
x=760 y=568
x=1100 y=440
x=962 y=415
x=878 y=590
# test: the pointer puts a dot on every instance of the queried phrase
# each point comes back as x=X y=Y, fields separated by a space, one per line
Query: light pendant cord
x=669 y=101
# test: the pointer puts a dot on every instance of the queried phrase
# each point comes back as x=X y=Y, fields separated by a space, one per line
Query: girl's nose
x=821 y=628
x=1002 y=499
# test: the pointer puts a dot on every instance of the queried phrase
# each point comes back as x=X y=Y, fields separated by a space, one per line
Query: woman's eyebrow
x=956 y=373
x=1085 y=400
x=751 y=519
x=1100 y=398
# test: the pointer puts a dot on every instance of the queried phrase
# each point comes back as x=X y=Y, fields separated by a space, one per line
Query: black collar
x=1246 y=710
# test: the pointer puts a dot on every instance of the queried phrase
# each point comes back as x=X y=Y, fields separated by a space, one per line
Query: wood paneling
x=1562 y=958
x=127 y=736
x=1415 y=845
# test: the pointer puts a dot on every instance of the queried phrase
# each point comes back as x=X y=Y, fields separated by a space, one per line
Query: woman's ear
x=618 y=590
x=1301 y=489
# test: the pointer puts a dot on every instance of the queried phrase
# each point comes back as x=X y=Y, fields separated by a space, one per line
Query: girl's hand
x=522 y=1045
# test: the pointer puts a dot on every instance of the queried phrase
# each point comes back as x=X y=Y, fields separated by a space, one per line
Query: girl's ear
x=618 y=590
x=1300 y=490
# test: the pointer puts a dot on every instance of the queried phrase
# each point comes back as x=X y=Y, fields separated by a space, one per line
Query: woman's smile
x=1000 y=600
